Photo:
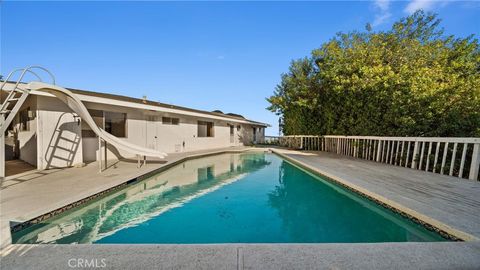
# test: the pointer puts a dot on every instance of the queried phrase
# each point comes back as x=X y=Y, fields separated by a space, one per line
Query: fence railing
x=458 y=157
x=272 y=140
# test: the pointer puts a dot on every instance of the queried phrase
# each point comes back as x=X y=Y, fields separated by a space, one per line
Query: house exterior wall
x=184 y=137
x=145 y=128
x=59 y=143
x=27 y=139
x=135 y=132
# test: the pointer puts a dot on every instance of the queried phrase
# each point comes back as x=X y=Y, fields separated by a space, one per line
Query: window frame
x=24 y=120
x=125 y=128
x=209 y=129
x=86 y=130
x=174 y=121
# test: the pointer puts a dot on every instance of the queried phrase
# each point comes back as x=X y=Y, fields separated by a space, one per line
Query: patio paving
x=445 y=255
x=17 y=166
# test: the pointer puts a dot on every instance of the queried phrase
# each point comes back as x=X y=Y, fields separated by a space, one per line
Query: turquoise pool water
x=229 y=198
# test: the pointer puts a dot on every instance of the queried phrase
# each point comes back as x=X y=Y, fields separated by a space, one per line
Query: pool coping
x=390 y=255
x=429 y=223
x=15 y=227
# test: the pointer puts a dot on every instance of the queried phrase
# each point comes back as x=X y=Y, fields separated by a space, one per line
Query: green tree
x=408 y=81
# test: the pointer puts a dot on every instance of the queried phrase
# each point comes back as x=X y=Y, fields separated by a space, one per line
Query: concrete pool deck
x=444 y=255
x=449 y=203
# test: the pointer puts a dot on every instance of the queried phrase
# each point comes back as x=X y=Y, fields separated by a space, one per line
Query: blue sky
x=204 y=55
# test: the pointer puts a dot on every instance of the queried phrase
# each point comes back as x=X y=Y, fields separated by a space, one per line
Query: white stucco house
x=46 y=133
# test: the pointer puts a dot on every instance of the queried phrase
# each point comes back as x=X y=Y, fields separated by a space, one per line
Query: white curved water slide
x=18 y=94
x=69 y=98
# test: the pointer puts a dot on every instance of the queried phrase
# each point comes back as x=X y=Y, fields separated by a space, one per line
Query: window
x=170 y=121
x=151 y=118
x=97 y=116
x=232 y=134
x=205 y=129
x=113 y=122
x=24 y=120
x=116 y=124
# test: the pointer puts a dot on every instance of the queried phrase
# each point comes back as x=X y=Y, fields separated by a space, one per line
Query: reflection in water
x=143 y=200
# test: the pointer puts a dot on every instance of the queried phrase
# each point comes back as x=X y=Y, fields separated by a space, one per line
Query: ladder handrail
x=12 y=93
x=24 y=71
x=46 y=70
x=5 y=121
x=15 y=71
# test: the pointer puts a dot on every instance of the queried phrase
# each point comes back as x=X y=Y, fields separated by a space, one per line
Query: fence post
x=415 y=154
x=355 y=148
x=444 y=158
x=473 y=175
x=380 y=144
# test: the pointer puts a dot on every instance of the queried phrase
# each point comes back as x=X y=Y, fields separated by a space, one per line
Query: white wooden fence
x=459 y=157
x=272 y=140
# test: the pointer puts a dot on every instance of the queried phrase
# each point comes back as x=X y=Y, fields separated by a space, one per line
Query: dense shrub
x=408 y=81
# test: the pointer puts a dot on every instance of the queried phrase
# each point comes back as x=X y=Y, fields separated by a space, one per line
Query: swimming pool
x=248 y=197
